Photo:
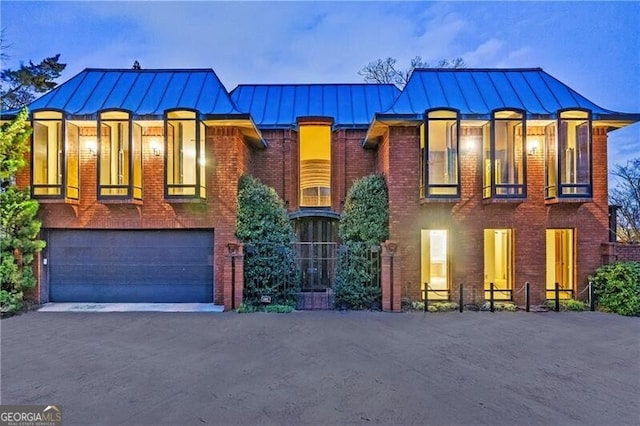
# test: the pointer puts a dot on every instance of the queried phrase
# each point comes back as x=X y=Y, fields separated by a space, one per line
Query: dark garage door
x=130 y=266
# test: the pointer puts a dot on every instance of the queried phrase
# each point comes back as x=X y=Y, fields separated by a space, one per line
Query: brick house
x=496 y=177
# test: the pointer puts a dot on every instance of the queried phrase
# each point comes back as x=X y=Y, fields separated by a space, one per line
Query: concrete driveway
x=322 y=368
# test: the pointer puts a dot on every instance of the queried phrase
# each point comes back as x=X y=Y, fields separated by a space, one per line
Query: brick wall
x=616 y=252
x=466 y=219
x=227 y=158
x=278 y=166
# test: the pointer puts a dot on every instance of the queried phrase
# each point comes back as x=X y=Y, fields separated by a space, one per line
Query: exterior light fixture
x=155 y=148
x=91 y=146
x=468 y=144
x=532 y=146
x=392 y=247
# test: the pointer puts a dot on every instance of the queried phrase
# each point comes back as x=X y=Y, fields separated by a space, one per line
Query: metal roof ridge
x=149 y=70
x=436 y=69
x=314 y=84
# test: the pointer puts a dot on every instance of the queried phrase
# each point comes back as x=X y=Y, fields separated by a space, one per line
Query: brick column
x=233 y=276
x=609 y=254
x=390 y=274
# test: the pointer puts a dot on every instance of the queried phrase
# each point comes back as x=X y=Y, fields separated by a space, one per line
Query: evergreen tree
x=19 y=87
x=19 y=226
x=364 y=224
x=263 y=227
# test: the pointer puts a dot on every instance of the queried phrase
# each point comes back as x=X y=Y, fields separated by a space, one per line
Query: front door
x=317 y=251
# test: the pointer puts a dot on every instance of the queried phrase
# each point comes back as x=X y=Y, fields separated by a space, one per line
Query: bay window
x=504 y=156
x=439 y=154
x=184 y=155
x=574 y=154
x=119 y=164
x=55 y=171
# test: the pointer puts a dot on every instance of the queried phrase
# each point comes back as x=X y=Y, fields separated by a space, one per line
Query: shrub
x=617 y=288
x=10 y=302
x=441 y=306
x=500 y=307
x=567 y=305
x=364 y=224
x=263 y=227
x=279 y=309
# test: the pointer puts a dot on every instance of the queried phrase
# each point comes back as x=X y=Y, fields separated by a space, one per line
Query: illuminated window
x=117 y=158
x=574 y=154
x=504 y=156
x=551 y=162
x=55 y=164
x=498 y=261
x=439 y=154
x=185 y=155
x=315 y=165
x=560 y=262
x=47 y=154
x=435 y=263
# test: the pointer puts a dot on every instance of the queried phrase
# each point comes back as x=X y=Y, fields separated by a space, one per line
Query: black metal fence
x=303 y=274
x=430 y=295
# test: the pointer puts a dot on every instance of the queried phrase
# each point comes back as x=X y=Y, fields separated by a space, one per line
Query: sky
x=594 y=47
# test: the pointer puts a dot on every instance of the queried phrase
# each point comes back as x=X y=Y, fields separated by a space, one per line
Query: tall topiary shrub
x=19 y=226
x=617 y=288
x=364 y=224
x=263 y=227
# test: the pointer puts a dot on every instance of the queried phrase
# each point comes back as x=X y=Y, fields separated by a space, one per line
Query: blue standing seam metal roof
x=478 y=92
x=146 y=93
x=280 y=105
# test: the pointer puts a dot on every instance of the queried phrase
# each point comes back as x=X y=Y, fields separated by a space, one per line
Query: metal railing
x=446 y=294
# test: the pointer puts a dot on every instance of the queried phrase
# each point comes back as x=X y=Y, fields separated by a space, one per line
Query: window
x=55 y=172
x=315 y=165
x=184 y=156
x=505 y=156
x=560 y=262
x=498 y=261
x=439 y=154
x=574 y=154
x=435 y=263
x=119 y=160
x=551 y=162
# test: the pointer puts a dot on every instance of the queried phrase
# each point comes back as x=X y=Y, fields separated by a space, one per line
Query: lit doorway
x=560 y=262
x=498 y=263
x=435 y=263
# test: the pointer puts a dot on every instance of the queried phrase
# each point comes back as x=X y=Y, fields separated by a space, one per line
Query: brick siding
x=466 y=219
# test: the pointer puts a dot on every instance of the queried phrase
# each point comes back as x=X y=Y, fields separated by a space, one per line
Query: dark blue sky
x=594 y=47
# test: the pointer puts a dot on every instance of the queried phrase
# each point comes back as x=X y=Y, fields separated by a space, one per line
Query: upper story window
x=184 y=155
x=119 y=162
x=439 y=154
x=569 y=170
x=55 y=172
x=504 y=156
x=315 y=165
